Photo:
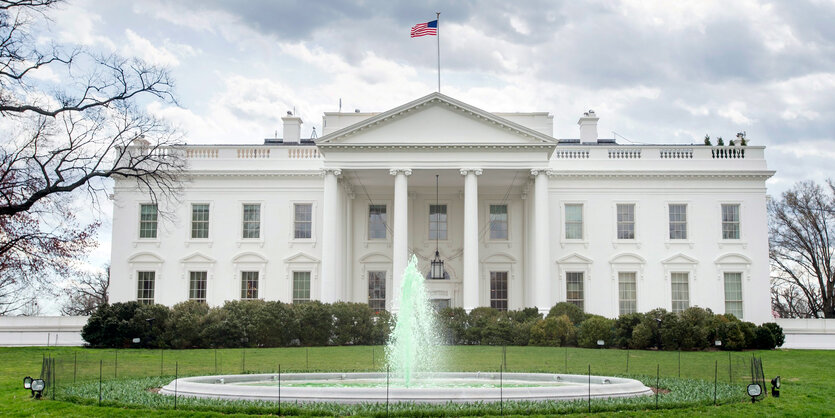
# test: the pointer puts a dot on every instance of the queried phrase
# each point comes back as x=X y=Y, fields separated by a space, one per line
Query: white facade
x=561 y=200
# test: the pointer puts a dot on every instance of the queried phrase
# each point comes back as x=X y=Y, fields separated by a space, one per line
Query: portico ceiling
x=423 y=180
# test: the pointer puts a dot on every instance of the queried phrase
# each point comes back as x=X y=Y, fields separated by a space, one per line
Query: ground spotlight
x=38 y=386
x=27 y=382
x=754 y=390
x=775 y=387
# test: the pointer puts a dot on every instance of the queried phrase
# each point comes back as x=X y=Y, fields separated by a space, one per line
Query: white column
x=400 y=235
x=471 y=290
x=349 y=245
x=542 y=243
x=330 y=223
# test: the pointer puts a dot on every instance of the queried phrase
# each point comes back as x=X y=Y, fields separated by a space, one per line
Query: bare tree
x=801 y=246
x=88 y=293
x=62 y=141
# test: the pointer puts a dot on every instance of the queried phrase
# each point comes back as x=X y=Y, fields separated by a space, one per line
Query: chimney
x=588 y=127
x=292 y=128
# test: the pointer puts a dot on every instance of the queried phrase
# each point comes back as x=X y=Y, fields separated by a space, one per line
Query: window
x=678 y=221
x=498 y=290
x=574 y=221
x=197 y=286
x=249 y=285
x=252 y=220
x=574 y=288
x=377 y=290
x=303 y=221
x=626 y=220
x=200 y=220
x=437 y=222
x=148 y=221
x=376 y=221
x=301 y=286
x=733 y=294
x=681 y=291
x=498 y=222
x=627 y=293
x=145 y=287
x=730 y=221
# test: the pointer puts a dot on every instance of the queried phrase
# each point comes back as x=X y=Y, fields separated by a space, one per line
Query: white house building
x=520 y=218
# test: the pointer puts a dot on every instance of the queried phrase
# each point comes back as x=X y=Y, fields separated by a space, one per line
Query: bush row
x=252 y=323
x=567 y=325
x=275 y=324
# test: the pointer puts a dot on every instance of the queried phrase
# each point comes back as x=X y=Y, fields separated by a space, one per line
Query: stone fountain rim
x=577 y=388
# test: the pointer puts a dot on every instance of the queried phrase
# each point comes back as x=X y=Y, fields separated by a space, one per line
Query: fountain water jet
x=414 y=342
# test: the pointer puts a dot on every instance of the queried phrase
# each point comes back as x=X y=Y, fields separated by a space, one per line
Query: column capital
x=465 y=171
x=405 y=171
x=335 y=171
x=537 y=171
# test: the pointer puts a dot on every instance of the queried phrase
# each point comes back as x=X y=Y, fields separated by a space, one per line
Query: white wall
x=808 y=334
x=18 y=331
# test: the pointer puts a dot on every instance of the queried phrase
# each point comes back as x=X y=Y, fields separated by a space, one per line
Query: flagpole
x=438 y=19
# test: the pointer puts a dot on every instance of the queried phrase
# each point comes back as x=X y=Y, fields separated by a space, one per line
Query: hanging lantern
x=436 y=270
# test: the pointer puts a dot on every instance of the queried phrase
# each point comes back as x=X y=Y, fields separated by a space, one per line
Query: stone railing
x=657 y=152
x=254 y=152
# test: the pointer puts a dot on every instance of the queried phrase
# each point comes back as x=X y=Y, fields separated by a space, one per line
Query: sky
x=653 y=71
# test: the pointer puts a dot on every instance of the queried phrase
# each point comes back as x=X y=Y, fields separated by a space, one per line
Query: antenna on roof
x=340 y=105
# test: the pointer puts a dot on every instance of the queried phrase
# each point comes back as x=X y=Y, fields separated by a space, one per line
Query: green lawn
x=807 y=382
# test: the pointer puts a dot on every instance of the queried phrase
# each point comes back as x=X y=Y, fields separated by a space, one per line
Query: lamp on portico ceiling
x=436 y=270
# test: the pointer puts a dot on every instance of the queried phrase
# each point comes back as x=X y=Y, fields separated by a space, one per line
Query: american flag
x=424 y=29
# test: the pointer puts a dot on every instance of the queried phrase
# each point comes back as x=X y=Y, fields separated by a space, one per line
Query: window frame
x=429 y=221
x=741 y=300
x=139 y=236
x=293 y=299
x=139 y=280
x=497 y=300
x=242 y=210
x=739 y=238
x=634 y=222
x=490 y=237
x=621 y=300
x=313 y=209
x=686 y=222
x=245 y=290
x=583 y=234
x=190 y=229
x=205 y=285
x=582 y=283
x=688 y=281
x=384 y=281
x=368 y=222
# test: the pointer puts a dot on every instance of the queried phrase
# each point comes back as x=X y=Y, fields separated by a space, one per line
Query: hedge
x=257 y=323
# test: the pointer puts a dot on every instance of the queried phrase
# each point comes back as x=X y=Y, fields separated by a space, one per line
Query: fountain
x=413 y=357
x=414 y=342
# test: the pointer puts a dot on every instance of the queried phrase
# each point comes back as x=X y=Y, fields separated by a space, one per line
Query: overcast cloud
x=655 y=72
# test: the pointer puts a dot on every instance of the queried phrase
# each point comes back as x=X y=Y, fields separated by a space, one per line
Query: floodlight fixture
x=601 y=343
x=38 y=386
x=754 y=390
x=775 y=387
x=27 y=382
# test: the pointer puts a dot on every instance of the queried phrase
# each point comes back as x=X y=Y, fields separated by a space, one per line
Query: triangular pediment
x=680 y=259
x=575 y=258
x=249 y=257
x=301 y=258
x=436 y=119
x=145 y=257
x=197 y=258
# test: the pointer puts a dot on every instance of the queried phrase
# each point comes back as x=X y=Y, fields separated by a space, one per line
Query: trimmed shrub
x=749 y=330
x=352 y=324
x=279 y=327
x=777 y=332
x=731 y=335
x=544 y=333
x=573 y=311
x=642 y=336
x=116 y=325
x=315 y=323
x=454 y=323
x=185 y=323
x=694 y=325
x=596 y=328
x=764 y=339
x=624 y=327
x=381 y=328
x=477 y=323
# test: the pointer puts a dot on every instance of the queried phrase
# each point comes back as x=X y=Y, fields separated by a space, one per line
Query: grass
x=807 y=382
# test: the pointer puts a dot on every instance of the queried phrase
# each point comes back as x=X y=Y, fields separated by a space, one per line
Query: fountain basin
x=447 y=387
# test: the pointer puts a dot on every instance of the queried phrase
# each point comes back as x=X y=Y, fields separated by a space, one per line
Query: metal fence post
x=589 y=388
x=501 y=390
x=74 y=367
x=657 y=389
x=176 y=378
x=715 y=380
x=101 y=362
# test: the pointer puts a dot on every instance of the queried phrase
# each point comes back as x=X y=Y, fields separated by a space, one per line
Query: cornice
x=753 y=175
x=442 y=147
